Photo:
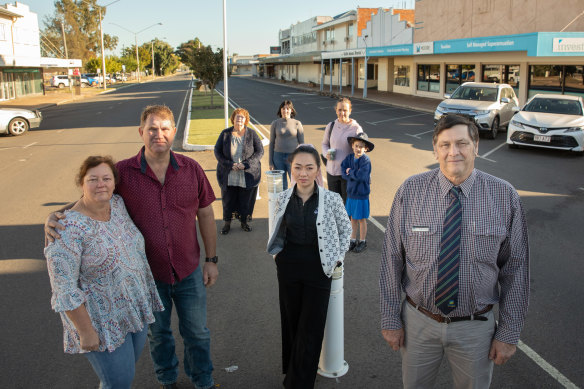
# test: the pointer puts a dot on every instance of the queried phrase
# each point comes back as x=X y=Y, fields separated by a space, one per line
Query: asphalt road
x=37 y=174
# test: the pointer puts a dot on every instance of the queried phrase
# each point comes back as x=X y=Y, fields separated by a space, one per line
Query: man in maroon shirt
x=165 y=193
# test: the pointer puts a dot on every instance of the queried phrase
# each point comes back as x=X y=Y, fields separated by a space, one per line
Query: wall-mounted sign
x=568 y=45
x=275 y=49
x=424 y=48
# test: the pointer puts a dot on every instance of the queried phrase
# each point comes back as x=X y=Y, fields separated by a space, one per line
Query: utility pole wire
x=573 y=20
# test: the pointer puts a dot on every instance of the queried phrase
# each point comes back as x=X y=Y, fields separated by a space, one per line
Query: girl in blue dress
x=356 y=169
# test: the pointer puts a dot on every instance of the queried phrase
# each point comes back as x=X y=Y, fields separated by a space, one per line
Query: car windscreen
x=557 y=106
x=475 y=93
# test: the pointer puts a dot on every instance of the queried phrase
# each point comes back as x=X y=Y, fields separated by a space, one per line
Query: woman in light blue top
x=102 y=284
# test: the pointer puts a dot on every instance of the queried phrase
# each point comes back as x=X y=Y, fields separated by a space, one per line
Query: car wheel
x=492 y=134
x=17 y=126
x=61 y=85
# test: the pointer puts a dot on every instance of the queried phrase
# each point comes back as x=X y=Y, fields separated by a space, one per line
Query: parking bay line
x=484 y=156
x=402 y=117
x=535 y=357
x=421 y=133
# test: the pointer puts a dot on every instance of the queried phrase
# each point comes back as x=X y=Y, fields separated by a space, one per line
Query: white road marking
x=402 y=117
x=535 y=357
x=421 y=133
x=492 y=151
x=10 y=148
x=235 y=105
x=183 y=104
x=60 y=131
x=372 y=110
x=552 y=371
x=301 y=93
x=32 y=144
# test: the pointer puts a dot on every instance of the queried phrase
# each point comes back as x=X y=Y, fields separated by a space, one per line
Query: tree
x=165 y=61
x=206 y=64
x=80 y=21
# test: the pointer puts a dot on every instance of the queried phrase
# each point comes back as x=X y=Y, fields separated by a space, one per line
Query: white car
x=490 y=106
x=549 y=121
x=17 y=121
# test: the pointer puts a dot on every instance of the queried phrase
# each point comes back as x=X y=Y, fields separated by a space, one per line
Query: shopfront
x=18 y=82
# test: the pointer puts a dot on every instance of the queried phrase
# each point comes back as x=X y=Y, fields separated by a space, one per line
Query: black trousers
x=240 y=200
x=338 y=185
x=304 y=292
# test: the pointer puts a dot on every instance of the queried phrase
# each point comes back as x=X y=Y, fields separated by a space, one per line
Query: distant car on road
x=549 y=121
x=17 y=121
x=490 y=106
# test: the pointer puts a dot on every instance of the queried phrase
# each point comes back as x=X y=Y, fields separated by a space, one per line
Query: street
x=37 y=177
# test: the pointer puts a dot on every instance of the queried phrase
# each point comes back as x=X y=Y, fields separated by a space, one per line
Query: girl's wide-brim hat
x=362 y=137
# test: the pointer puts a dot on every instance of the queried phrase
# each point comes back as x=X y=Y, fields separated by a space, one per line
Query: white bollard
x=332 y=362
x=275 y=186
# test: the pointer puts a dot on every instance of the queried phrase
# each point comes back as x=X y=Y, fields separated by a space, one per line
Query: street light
x=136 y=41
x=101 y=37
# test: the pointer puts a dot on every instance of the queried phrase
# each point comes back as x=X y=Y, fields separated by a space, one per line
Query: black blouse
x=300 y=220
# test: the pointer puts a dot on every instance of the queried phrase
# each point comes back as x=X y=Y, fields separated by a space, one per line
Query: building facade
x=533 y=45
x=20 y=53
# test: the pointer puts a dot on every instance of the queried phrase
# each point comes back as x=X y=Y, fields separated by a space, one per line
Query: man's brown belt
x=445 y=319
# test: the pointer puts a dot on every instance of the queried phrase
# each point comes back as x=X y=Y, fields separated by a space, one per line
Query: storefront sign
x=522 y=42
x=568 y=45
x=424 y=48
x=275 y=49
x=390 y=51
x=343 y=53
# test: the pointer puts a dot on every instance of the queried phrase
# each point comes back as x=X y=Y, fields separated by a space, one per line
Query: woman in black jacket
x=238 y=151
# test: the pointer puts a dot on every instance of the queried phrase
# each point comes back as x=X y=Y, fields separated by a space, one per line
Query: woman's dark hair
x=285 y=103
x=93 y=161
x=307 y=149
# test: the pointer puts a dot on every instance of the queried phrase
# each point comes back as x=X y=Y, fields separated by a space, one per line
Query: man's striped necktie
x=446 y=296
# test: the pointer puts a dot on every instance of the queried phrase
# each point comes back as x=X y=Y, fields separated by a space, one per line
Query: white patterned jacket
x=332 y=224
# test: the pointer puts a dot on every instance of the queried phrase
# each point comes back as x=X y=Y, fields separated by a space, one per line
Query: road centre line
x=535 y=357
x=492 y=151
x=32 y=144
x=392 y=119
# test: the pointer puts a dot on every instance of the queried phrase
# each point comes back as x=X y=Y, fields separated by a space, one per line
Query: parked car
x=87 y=79
x=17 y=121
x=549 y=121
x=60 y=81
x=490 y=106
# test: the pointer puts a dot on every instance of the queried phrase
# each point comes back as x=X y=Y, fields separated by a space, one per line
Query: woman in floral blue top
x=102 y=285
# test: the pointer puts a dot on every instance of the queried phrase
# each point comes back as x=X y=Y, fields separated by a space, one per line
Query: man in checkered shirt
x=492 y=265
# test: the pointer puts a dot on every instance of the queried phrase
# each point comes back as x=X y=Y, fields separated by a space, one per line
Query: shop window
x=401 y=75
x=429 y=78
x=458 y=74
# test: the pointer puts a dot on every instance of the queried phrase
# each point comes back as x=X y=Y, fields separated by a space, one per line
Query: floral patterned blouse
x=102 y=264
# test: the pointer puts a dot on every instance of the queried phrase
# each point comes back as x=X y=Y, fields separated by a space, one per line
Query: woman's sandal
x=246 y=227
x=226 y=228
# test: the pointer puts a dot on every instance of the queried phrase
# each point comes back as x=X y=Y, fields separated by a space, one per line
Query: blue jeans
x=190 y=299
x=281 y=163
x=116 y=369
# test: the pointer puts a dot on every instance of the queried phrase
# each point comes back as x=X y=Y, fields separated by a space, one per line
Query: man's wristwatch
x=212 y=259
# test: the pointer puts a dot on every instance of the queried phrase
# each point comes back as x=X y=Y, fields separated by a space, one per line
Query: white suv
x=489 y=105
x=60 y=81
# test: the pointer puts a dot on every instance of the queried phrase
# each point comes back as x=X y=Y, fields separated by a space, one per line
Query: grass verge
x=206 y=123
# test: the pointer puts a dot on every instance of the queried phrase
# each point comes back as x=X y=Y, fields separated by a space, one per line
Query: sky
x=252 y=25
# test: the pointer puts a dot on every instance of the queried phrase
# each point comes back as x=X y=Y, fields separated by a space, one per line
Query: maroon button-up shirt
x=166 y=214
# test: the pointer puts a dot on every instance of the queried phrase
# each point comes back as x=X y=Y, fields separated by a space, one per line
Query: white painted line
x=10 y=148
x=492 y=151
x=301 y=93
x=376 y=224
x=403 y=117
x=60 y=131
x=266 y=139
x=535 y=357
x=421 y=133
x=486 y=159
x=32 y=144
x=552 y=371
x=372 y=110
